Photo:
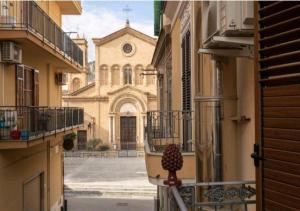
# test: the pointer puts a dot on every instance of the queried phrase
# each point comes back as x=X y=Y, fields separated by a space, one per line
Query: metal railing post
x=178 y=199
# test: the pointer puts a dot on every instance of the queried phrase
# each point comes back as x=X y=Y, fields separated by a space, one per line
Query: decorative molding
x=121 y=32
x=185 y=18
x=221 y=193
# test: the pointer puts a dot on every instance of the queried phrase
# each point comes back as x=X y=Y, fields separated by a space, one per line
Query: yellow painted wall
x=176 y=66
x=155 y=170
x=52 y=9
x=17 y=166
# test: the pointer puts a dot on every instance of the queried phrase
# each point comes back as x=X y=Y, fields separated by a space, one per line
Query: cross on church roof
x=127 y=10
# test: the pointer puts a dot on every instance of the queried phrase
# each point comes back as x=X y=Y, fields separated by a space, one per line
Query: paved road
x=111 y=184
x=94 y=204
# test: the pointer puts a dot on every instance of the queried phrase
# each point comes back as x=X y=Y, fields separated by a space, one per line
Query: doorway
x=33 y=194
x=128 y=133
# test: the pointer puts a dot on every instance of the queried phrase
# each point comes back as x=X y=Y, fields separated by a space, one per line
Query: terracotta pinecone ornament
x=172 y=161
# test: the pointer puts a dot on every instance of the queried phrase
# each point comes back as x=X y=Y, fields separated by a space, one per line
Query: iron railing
x=217 y=196
x=28 y=123
x=27 y=15
x=169 y=127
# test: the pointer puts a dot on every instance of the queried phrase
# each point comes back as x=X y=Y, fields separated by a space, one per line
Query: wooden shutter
x=20 y=85
x=186 y=72
x=278 y=127
x=186 y=90
x=35 y=87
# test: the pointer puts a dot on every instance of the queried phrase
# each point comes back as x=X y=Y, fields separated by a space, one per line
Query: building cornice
x=121 y=32
x=93 y=98
x=160 y=48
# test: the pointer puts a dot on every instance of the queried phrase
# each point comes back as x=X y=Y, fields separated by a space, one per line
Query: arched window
x=151 y=77
x=115 y=75
x=103 y=75
x=138 y=77
x=127 y=74
x=75 y=84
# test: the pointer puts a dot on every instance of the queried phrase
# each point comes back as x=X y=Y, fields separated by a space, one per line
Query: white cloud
x=99 y=23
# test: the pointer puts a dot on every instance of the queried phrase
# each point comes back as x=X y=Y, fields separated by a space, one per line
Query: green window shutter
x=157 y=16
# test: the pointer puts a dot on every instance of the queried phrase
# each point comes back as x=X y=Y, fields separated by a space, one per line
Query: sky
x=101 y=18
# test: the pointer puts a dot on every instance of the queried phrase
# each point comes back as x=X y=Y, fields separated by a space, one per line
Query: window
x=127 y=48
x=115 y=75
x=138 y=77
x=103 y=75
x=75 y=84
x=27 y=86
x=127 y=74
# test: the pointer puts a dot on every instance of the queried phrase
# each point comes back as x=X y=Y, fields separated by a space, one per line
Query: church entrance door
x=128 y=133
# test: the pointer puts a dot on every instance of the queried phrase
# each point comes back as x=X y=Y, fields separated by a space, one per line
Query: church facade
x=116 y=103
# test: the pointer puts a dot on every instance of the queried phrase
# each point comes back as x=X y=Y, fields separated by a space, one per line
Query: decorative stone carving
x=185 y=18
x=221 y=193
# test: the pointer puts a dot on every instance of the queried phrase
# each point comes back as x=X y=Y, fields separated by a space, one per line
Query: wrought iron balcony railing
x=169 y=127
x=28 y=123
x=27 y=15
x=231 y=195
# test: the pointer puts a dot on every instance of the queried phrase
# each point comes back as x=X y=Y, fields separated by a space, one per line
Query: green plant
x=103 y=147
x=70 y=136
x=93 y=143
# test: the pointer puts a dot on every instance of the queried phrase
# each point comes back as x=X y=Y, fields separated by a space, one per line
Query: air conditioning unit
x=61 y=79
x=11 y=52
x=226 y=19
x=7 y=21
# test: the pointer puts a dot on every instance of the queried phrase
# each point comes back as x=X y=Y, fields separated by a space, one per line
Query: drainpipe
x=217 y=80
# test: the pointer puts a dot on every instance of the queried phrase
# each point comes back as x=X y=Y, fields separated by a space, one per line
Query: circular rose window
x=127 y=48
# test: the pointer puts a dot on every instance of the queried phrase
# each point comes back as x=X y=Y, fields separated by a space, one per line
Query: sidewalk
x=99 y=204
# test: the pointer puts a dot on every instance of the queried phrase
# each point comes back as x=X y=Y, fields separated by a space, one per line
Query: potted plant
x=69 y=141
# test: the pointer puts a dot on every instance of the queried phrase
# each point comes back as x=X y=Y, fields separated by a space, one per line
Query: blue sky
x=100 y=18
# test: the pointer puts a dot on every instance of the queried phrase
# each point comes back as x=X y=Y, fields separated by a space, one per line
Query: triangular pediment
x=122 y=32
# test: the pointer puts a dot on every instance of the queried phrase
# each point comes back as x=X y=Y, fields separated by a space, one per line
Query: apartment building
x=205 y=67
x=234 y=68
x=35 y=56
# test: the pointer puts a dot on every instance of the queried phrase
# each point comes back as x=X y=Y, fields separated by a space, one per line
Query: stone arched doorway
x=127 y=119
x=128 y=127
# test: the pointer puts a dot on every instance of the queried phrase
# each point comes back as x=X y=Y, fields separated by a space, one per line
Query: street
x=110 y=184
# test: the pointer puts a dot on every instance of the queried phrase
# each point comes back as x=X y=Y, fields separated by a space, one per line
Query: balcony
x=164 y=128
x=25 y=22
x=227 y=195
x=20 y=127
x=169 y=127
